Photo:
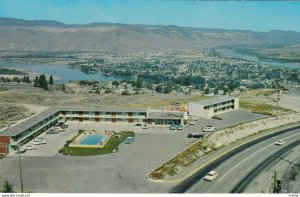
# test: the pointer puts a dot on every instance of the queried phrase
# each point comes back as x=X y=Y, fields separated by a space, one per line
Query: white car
x=280 y=142
x=145 y=126
x=209 y=128
x=38 y=141
x=211 y=176
x=192 y=123
x=30 y=147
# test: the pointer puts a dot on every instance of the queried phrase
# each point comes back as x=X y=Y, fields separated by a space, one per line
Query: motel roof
x=31 y=121
x=165 y=115
x=215 y=100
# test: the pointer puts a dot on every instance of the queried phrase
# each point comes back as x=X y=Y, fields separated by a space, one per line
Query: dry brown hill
x=17 y=34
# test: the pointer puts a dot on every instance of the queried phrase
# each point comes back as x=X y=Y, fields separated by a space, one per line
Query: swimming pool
x=92 y=140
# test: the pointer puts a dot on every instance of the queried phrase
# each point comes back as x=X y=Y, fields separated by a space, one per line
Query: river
x=62 y=73
x=225 y=52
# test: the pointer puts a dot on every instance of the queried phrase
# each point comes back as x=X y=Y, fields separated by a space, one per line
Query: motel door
x=149 y=121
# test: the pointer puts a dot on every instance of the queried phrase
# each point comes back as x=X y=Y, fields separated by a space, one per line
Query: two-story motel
x=215 y=106
x=27 y=130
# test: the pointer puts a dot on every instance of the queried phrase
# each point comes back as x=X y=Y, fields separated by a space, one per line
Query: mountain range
x=44 y=35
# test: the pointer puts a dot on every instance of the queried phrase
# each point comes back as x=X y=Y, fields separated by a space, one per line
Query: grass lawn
x=112 y=144
x=259 y=108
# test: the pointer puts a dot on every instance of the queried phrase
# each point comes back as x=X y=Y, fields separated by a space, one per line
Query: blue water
x=92 y=140
x=233 y=54
x=61 y=73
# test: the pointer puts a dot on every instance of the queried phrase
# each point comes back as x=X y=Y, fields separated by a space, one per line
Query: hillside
x=18 y=34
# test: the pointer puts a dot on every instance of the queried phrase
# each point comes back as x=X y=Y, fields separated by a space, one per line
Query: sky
x=243 y=15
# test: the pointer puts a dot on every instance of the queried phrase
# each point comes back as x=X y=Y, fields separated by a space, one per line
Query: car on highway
x=179 y=127
x=209 y=128
x=195 y=135
x=211 y=176
x=280 y=142
x=129 y=140
x=173 y=127
x=192 y=122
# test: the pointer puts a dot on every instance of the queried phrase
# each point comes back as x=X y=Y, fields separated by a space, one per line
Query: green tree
x=7 y=187
x=36 y=82
x=206 y=91
x=159 y=89
x=51 y=80
x=139 y=83
x=115 y=83
x=216 y=90
x=43 y=82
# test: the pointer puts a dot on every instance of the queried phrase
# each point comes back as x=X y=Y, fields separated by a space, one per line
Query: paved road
x=234 y=170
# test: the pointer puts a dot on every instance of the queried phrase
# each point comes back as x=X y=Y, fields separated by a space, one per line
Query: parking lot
x=44 y=170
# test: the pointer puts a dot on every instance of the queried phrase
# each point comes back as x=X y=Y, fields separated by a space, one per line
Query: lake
x=225 y=52
x=62 y=73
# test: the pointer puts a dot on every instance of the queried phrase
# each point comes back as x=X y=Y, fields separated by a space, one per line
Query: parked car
x=53 y=131
x=65 y=126
x=192 y=122
x=179 y=127
x=173 y=127
x=209 y=128
x=211 y=176
x=195 y=135
x=145 y=126
x=195 y=118
x=218 y=117
x=21 y=150
x=61 y=124
x=38 y=141
x=30 y=147
x=280 y=142
x=129 y=140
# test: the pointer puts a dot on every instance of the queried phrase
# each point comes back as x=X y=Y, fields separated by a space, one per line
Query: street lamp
x=20 y=166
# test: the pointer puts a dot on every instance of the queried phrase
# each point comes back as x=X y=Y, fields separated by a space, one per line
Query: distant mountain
x=43 y=35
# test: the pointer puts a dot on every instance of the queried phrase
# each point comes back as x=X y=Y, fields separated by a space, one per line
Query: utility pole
x=21 y=178
x=277 y=101
x=274 y=181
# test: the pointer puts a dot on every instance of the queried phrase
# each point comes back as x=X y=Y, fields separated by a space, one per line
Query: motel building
x=27 y=130
x=215 y=106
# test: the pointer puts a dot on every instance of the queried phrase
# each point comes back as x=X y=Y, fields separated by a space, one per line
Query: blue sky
x=245 y=15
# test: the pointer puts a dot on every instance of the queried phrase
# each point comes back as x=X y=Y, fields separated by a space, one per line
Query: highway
x=237 y=169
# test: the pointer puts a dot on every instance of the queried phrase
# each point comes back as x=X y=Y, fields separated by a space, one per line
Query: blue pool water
x=92 y=140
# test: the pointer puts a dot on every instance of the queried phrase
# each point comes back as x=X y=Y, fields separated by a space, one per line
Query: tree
x=159 y=89
x=115 y=83
x=206 y=91
x=7 y=187
x=64 y=88
x=139 y=83
x=216 y=91
x=51 y=80
x=36 y=82
x=43 y=82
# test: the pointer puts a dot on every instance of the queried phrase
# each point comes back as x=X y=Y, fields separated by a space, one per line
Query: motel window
x=107 y=113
